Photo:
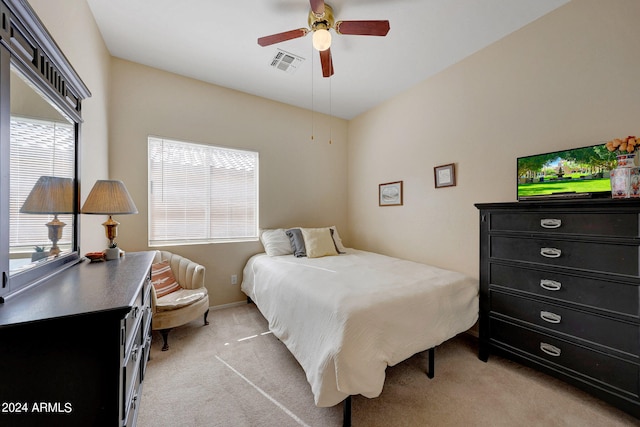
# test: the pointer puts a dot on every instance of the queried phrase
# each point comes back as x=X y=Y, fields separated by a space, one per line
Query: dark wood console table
x=73 y=349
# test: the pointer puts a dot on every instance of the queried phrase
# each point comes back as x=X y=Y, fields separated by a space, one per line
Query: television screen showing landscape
x=578 y=171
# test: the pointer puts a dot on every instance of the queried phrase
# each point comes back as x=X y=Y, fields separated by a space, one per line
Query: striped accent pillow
x=162 y=279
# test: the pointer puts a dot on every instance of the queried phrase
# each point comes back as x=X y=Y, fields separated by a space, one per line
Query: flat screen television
x=575 y=173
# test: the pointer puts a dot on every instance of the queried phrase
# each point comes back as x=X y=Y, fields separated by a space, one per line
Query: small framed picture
x=445 y=175
x=390 y=194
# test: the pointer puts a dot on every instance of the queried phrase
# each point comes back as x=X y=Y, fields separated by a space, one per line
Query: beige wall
x=302 y=182
x=80 y=40
x=570 y=79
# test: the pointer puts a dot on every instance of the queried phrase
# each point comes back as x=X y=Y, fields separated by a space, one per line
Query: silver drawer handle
x=550 y=317
x=134 y=402
x=550 y=252
x=551 y=350
x=550 y=223
x=550 y=285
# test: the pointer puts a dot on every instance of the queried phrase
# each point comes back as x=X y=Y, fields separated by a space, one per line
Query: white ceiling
x=215 y=41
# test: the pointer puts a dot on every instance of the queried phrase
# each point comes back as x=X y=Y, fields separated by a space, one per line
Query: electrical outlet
x=234 y=279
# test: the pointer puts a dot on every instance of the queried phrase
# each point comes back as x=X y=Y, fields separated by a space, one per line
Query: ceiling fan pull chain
x=312 y=91
x=330 y=110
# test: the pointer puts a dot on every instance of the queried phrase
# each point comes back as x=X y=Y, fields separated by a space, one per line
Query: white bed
x=345 y=318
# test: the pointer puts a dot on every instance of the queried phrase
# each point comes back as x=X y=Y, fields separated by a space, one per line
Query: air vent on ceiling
x=287 y=62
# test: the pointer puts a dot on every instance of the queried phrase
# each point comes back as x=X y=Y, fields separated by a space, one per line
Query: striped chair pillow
x=162 y=279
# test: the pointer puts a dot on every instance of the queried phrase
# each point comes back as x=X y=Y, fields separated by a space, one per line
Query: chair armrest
x=193 y=275
x=154 y=299
x=189 y=274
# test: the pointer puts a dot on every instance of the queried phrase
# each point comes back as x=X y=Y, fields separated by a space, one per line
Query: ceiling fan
x=320 y=22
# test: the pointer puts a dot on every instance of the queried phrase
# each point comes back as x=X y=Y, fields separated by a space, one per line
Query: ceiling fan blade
x=317 y=6
x=327 y=63
x=280 y=37
x=363 y=28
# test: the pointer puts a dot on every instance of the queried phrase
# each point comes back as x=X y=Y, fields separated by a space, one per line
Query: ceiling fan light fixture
x=321 y=39
x=321 y=20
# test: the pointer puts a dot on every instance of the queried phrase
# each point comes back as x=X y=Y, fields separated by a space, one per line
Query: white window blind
x=201 y=193
x=37 y=148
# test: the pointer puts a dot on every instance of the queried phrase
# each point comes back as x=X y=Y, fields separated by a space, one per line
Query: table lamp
x=109 y=197
x=51 y=195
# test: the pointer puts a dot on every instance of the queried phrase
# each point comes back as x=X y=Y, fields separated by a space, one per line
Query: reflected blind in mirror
x=38 y=148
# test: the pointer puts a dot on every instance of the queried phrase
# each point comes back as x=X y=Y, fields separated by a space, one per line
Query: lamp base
x=55 y=233
x=112 y=253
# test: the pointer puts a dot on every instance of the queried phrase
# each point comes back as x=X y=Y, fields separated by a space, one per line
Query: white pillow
x=276 y=242
x=318 y=242
x=337 y=239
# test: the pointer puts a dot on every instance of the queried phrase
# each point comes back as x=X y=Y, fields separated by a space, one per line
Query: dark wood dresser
x=559 y=291
x=73 y=349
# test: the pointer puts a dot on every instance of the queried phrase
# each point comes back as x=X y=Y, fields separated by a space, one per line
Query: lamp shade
x=50 y=195
x=109 y=197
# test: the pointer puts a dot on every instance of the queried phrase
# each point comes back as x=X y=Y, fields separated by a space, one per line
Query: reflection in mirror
x=42 y=178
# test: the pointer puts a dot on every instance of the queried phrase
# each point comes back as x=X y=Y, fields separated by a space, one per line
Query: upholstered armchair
x=178 y=294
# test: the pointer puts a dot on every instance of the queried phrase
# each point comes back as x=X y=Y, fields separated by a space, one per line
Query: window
x=201 y=193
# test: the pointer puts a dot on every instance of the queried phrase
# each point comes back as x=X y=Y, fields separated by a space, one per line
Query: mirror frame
x=26 y=45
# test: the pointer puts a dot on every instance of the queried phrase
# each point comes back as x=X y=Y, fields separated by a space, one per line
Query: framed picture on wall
x=390 y=194
x=445 y=175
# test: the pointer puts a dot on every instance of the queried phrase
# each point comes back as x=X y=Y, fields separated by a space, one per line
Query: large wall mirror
x=40 y=128
x=42 y=170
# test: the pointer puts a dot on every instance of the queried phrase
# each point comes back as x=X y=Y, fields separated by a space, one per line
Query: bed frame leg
x=346 y=418
x=346 y=404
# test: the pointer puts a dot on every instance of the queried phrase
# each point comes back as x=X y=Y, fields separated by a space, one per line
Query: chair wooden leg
x=165 y=337
x=206 y=313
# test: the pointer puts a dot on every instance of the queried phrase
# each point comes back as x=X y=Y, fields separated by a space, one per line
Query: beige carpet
x=234 y=373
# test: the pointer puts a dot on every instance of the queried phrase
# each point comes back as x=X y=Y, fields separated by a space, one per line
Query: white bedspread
x=346 y=318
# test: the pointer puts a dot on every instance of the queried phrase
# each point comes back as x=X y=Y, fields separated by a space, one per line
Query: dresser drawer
x=131 y=375
x=595 y=256
x=146 y=306
x=132 y=408
x=600 y=294
x=596 y=224
x=593 y=365
x=146 y=352
x=132 y=322
x=590 y=327
x=146 y=290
